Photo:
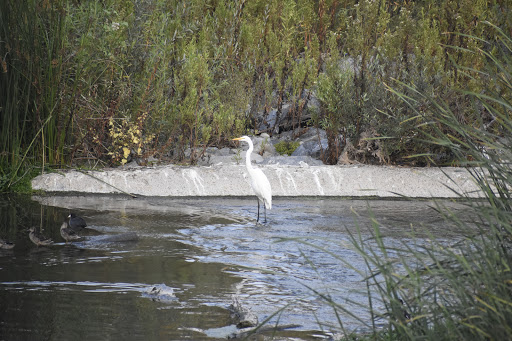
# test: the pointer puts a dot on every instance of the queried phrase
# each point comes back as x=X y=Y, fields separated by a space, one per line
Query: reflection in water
x=192 y=255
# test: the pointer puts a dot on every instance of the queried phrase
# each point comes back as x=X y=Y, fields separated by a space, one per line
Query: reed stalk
x=31 y=48
x=458 y=290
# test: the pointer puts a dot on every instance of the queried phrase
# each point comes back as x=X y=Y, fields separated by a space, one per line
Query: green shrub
x=204 y=71
x=286 y=147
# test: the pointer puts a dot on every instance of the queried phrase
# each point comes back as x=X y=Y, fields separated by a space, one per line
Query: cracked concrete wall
x=233 y=180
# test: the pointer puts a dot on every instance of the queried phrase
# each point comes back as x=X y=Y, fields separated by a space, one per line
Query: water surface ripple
x=192 y=257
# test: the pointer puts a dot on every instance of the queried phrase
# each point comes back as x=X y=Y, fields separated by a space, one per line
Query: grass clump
x=286 y=147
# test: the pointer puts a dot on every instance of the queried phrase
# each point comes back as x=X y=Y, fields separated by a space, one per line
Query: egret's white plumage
x=259 y=182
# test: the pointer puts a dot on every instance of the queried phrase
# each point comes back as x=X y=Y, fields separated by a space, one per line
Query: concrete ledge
x=232 y=180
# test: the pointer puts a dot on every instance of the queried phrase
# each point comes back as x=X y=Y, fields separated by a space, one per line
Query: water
x=192 y=257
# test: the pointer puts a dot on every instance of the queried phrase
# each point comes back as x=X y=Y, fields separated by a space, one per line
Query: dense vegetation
x=96 y=82
x=418 y=82
x=454 y=288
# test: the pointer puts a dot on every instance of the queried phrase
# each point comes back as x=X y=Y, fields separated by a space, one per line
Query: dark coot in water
x=76 y=223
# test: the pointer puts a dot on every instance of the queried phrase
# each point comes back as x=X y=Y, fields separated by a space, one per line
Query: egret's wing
x=261 y=187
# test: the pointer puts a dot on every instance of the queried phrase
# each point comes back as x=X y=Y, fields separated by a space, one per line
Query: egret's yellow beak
x=237 y=139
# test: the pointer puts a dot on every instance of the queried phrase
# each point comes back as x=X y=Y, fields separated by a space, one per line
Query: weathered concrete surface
x=232 y=180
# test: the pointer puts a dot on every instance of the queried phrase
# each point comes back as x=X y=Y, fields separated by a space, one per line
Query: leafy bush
x=206 y=71
x=286 y=147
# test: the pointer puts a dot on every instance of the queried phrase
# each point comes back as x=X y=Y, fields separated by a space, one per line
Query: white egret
x=259 y=182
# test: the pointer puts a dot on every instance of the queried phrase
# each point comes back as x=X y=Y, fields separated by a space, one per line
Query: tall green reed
x=462 y=289
x=32 y=52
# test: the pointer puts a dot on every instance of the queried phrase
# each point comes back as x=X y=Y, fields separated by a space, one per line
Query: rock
x=300 y=151
x=292 y=161
x=311 y=140
x=311 y=148
x=217 y=160
x=255 y=158
x=288 y=118
x=268 y=121
x=215 y=156
x=264 y=151
x=222 y=152
x=263 y=146
x=132 y=164
x=313 y=134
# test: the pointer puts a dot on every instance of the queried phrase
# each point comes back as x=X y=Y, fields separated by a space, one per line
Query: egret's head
x=243 y=138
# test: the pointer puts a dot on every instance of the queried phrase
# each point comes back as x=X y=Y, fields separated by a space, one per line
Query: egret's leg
x=258 y=219
x=265 y=209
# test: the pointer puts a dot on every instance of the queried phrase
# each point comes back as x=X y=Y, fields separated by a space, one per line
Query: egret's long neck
x=248 y=158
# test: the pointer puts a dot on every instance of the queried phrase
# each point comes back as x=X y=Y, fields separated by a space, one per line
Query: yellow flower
x=126 y=152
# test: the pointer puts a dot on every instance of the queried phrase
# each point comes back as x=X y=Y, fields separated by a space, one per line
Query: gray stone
x=222 y=152
x=311 y=148
x=217 y=160
x=292 y=161
x=262 y=143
